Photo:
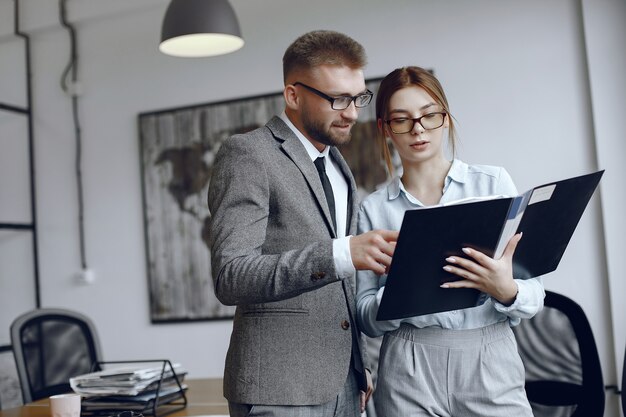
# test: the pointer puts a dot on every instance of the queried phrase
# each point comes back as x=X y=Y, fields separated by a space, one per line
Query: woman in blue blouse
x=455 y=363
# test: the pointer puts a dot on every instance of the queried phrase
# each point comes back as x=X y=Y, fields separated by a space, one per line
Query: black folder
x=547 y=215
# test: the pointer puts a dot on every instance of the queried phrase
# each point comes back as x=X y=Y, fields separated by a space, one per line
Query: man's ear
x=290 y=94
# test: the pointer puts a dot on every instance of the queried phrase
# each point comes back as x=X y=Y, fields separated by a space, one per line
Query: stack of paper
x=127 y=380
x=133 y=386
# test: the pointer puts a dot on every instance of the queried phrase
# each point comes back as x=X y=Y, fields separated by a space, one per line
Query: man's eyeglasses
x=428 y=121
x=342 y=102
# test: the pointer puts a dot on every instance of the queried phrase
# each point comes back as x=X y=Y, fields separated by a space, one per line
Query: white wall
x=516 y=74
x=605 y=33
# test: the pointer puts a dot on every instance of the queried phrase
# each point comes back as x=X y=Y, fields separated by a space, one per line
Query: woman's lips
x=419 y=145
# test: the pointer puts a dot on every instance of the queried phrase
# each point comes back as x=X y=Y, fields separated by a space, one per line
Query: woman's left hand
x=491 y=276
x=365 y=396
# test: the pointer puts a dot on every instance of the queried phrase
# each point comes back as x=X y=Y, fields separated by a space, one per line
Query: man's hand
x=365 y=396
x=373 y=250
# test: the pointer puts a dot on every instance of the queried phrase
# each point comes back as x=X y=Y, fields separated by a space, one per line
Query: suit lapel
x=294 y=149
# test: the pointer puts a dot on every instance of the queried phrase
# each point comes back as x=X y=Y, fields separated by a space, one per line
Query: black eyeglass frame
x=332 y=100
x=418 y=120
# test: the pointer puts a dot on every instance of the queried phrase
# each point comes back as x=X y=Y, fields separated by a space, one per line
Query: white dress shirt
x=341 y=245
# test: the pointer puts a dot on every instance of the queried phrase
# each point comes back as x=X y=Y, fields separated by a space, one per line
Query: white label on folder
x=542 y=194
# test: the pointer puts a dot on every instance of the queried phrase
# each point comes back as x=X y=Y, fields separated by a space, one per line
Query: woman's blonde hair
x=407 y=77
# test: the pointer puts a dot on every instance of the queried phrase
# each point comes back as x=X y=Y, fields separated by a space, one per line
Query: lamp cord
x=72 y=66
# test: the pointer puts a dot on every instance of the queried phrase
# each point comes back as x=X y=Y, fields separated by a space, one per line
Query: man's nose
x=351 y=112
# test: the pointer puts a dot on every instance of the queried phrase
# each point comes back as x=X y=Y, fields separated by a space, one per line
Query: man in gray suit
x=281 y=243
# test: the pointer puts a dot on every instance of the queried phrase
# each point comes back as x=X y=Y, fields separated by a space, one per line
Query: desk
x=204 y=396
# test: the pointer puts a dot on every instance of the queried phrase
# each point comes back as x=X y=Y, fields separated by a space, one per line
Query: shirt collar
x=458 y=173
x=394 y=188
x=310 y=149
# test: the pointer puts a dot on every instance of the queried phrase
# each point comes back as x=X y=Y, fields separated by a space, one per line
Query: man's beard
x=316 y=130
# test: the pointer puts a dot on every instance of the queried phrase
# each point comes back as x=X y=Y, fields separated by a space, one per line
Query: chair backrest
x=563 y=373
x=623 y=387
x=50 y=346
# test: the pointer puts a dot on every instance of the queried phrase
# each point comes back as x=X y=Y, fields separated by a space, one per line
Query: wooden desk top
x=204 y=397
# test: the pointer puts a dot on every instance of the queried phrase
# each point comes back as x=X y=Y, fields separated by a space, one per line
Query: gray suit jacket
x=271 y=246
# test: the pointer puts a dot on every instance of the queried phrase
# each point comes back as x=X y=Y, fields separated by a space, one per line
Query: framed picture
x=177 y=147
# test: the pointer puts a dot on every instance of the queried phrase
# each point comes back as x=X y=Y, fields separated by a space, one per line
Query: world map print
x=177 y=151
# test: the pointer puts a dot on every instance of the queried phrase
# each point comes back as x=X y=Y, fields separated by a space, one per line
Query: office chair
x=51 y=346
x=623 y=387
x=563 y=373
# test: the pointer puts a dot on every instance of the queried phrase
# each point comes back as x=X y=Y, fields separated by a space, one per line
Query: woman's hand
x=365 y=396
x=491 y=276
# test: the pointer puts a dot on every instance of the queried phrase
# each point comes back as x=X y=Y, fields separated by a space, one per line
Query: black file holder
x=152 y=402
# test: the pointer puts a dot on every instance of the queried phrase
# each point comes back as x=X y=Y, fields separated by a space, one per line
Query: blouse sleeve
x=505 y=184
x=370 y=291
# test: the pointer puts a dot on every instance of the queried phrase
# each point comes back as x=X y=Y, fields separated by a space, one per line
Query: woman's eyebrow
x=424 y=107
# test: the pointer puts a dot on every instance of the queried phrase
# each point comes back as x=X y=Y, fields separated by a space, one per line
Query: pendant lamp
x=200 y=28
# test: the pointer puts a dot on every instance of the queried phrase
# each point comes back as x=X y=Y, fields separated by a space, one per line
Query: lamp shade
x=199 y=28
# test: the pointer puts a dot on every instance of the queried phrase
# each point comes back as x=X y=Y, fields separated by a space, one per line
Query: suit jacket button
x=317 y=276
x=345 y=324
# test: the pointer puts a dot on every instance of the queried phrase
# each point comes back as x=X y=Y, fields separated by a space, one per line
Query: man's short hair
x=323 y=47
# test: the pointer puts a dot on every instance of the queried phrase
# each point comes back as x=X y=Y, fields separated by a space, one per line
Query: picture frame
x=177 y=147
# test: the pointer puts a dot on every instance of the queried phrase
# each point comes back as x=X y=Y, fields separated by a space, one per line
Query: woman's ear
x=381 y=127
x=291 y=97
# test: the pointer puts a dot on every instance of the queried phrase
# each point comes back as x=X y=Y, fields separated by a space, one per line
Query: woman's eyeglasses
x=428 y=121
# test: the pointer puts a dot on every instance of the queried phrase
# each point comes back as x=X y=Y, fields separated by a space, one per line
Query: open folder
x=547 y=215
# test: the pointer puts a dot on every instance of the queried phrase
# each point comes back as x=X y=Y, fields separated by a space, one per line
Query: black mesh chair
x=623 y=387
x=50 y=347
x=563 y=373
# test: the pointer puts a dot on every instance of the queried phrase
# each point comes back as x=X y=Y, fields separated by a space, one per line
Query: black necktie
x=328 y=190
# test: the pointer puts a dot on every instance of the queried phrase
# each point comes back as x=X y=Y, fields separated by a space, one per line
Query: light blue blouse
x=384 y=209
